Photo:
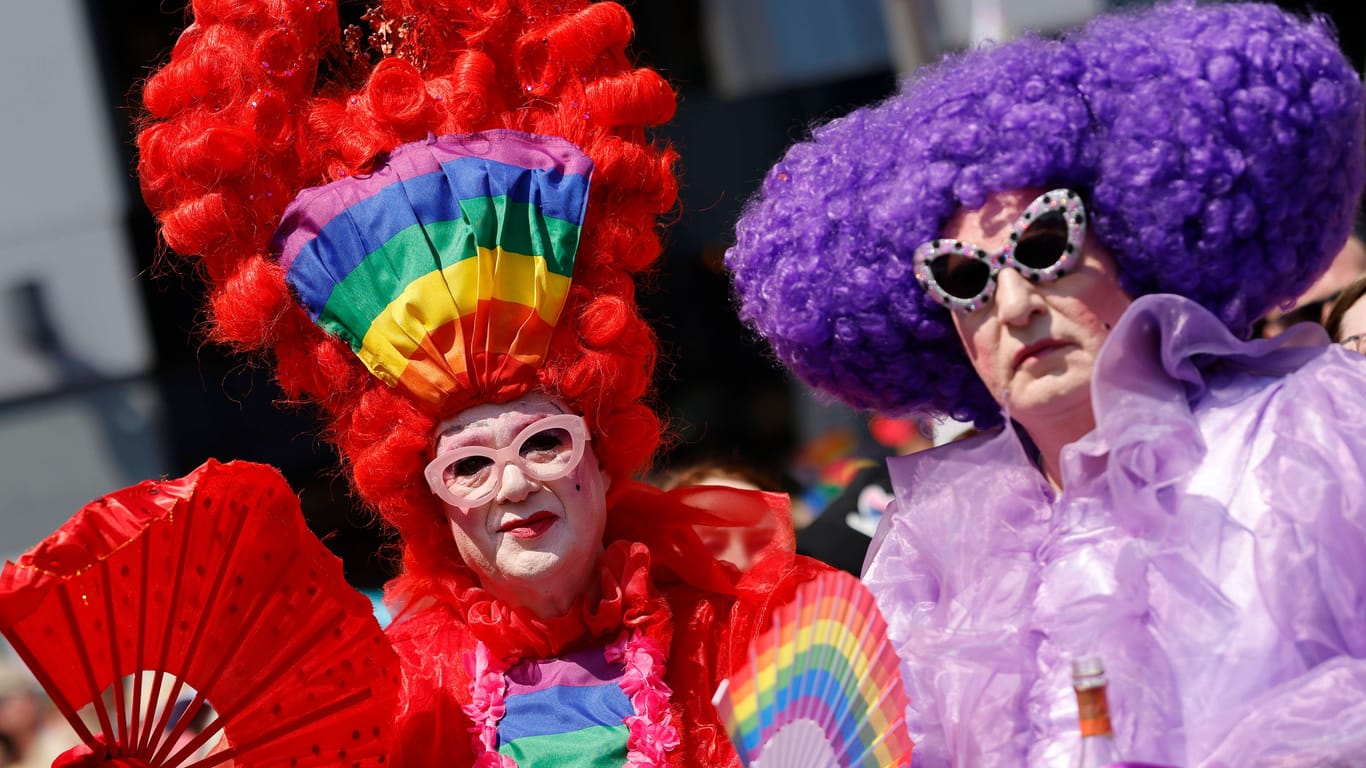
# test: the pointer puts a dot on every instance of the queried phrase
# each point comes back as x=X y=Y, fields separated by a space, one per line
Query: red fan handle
x=86 y=756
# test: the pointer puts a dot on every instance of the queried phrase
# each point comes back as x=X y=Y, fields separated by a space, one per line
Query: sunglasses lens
x=1044 y=241
x=960 y=276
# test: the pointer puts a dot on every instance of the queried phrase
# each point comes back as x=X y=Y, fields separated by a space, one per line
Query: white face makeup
x=1035 y=344
x=533 y=542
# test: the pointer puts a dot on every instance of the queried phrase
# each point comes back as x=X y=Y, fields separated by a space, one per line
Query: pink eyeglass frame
x=508 y=454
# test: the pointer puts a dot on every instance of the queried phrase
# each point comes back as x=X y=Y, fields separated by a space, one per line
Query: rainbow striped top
x=446 y=268
x=568 y=712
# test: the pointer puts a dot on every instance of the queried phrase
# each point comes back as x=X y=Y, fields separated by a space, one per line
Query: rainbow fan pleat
x=825 y=661
x=447 y=268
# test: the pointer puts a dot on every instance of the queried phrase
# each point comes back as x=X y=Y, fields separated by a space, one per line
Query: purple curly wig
x=1218 y=148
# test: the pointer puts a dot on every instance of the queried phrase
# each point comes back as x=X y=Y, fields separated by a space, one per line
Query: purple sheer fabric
x=1210 y=545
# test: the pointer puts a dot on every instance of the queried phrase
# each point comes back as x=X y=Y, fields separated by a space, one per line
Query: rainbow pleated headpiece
x=447 y=268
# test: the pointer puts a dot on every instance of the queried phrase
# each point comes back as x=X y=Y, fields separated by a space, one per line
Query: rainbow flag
x=568 y=712
x=446 y=269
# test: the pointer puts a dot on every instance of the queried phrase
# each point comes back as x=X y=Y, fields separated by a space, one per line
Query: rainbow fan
x=822 y=687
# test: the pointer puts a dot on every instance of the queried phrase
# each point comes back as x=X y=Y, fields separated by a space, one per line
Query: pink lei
x=651 y=731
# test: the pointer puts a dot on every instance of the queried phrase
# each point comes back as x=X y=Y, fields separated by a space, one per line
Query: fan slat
x=182 y=724
x=287 y=728
x=95 y=688
x=54 y=692
x=110 y=618
x=140 y=657
x=162 y=660
x=224 y=563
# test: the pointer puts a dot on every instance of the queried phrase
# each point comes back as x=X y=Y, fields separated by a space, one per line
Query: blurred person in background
x=21 y=716
x=1346 y=324
x=32 y=731
x=9 y=753
x=737 y=545
x=841 y=533
x=1318 y=301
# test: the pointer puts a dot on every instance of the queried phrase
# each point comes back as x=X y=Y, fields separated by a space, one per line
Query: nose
x=515 y=485
x=1016 y=299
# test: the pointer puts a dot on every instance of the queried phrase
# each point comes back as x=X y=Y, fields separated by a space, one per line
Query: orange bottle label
x=1094 y=712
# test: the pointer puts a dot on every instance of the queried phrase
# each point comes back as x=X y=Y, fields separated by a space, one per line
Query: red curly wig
x=243 y=117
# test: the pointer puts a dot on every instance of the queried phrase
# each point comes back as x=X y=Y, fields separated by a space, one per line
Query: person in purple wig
x=1069 y=239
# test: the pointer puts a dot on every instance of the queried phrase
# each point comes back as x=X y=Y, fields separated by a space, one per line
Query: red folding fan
x=171 y=601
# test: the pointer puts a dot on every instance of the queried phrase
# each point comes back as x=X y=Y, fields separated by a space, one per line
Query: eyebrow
x=454 y=431
x=451 y=433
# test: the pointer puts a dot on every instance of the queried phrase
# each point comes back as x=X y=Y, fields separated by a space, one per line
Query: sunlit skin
x=1035 y=345
x=534 y=544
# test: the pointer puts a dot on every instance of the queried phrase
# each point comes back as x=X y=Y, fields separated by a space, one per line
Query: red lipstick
x=529 y=527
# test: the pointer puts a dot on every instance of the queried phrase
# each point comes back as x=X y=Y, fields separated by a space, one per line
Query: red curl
x=280 y=53
x=641 y=175
x=214 y=154
x=273 y=123
x=466 y=93
x=603 y=321
x=630 y=432
x=397 y=94
x=637 y=98
x=572 y=45
x=225 y=11
x=200 y=224
x=639 y=249
x=250 y=324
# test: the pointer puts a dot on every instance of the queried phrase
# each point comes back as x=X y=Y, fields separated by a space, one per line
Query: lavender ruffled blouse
x=1210 y=546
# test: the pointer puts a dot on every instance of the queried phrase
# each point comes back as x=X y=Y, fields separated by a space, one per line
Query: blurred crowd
x=32 y=732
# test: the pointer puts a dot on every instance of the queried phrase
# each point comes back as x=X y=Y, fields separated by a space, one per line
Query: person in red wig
x=436 y=246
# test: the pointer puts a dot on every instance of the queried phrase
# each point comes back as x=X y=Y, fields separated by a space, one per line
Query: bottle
x=1097 y=739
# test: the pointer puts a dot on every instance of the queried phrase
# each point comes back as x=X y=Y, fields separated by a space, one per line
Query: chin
x=554 y=568
x=1052 y=398
x=525 y=566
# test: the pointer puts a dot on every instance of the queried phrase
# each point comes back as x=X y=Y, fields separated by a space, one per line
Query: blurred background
x=106 y=380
